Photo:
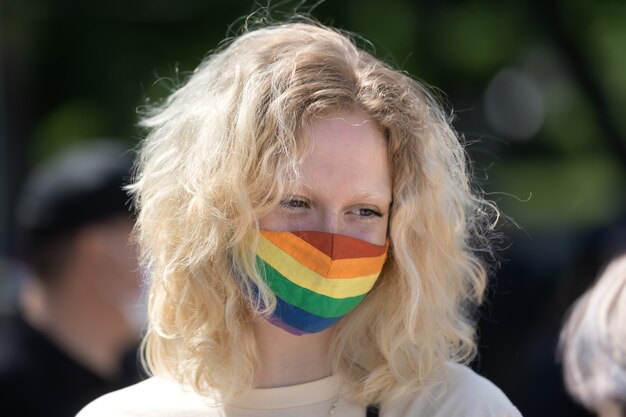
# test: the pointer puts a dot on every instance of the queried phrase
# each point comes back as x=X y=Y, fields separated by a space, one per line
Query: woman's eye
x=367 y=212
x=294 y=204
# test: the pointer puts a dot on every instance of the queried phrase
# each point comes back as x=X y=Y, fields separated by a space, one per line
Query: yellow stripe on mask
x=304 y=277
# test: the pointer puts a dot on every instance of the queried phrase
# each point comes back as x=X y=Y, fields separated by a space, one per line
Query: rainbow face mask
x=317 y=277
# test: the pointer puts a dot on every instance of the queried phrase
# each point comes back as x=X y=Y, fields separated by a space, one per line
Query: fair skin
x=344 y=187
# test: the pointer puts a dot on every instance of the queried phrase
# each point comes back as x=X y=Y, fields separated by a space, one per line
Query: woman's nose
x=330 y=222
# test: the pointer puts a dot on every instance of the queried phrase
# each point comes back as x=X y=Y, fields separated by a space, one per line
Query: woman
x=311 y=236
x=593 y=344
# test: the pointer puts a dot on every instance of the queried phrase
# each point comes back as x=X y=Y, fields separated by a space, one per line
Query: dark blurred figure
x=74 y=337
x=593 y=344
x=534 y=291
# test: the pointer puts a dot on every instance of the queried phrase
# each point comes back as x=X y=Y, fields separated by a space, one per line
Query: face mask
x=317 y=277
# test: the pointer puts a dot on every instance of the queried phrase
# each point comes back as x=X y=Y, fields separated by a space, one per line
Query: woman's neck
x=287 y=360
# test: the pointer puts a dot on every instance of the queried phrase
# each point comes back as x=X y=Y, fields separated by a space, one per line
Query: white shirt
x=457 y=392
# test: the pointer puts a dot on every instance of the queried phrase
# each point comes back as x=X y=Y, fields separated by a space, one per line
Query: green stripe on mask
x=306 y=299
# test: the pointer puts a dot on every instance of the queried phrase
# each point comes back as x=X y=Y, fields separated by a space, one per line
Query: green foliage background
x=74 y=70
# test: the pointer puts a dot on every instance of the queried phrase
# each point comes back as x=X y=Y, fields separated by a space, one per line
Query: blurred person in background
x=593 y=344
x=75 y=334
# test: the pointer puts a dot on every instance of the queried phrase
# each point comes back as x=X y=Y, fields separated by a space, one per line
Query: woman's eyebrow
x=376 y=195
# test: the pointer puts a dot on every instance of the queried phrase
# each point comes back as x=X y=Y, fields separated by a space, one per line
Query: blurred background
x=537 y=89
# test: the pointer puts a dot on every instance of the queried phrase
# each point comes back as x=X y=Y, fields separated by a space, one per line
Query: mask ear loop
x=388 y=234
x=387 y=133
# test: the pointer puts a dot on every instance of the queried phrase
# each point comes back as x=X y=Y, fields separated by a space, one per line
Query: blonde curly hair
x=216 y=157
x=593 y=341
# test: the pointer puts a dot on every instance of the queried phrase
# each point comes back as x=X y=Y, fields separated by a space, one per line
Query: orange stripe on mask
x=318 y=261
